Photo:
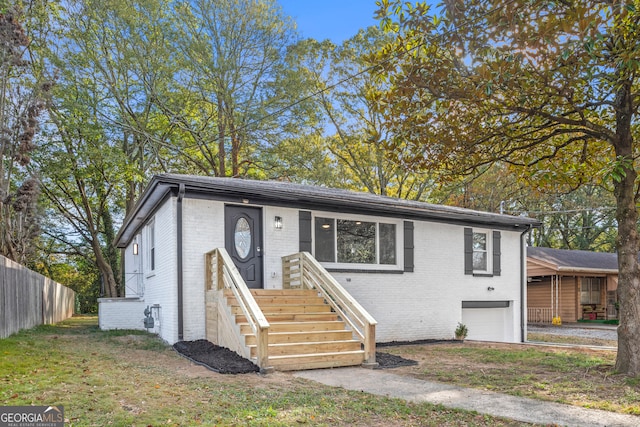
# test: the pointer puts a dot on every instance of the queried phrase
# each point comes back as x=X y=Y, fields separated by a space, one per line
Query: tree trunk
x=628 y=357
x=221 y=129
x=235 y=150
x=109 y=280
x=111 y=252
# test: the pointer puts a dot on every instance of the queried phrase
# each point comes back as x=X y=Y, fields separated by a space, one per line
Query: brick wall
x=121 y=313
x=425 y=304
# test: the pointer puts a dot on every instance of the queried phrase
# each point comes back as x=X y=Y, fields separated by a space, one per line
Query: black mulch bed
x=224 y=361
x=388 y=361
x=218 y=359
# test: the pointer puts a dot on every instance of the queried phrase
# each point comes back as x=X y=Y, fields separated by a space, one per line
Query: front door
x=243 y=241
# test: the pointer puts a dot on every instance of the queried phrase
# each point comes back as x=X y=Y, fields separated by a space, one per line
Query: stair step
x=245 y=328
x=304 y=332
x=316 y=361
x=302 y=337
x=309 y=348
x=289 y=308
x=293 y=317
x=264 y=301
x=284 y=292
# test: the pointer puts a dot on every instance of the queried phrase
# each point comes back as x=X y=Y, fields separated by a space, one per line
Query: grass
x=561 y=339
x=576 y=376
x=132 y=378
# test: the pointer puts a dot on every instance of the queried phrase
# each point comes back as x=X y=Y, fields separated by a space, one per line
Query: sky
x=337 y=20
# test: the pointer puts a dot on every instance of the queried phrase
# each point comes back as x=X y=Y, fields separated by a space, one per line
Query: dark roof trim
x=273 y=193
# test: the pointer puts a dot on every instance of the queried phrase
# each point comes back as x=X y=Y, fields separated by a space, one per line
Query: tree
x=124 y=50
x=581 y=218
x=351 y=127
x=83 y=178
x=551 y=87
x=21 y=102
x=140 y=89
x=231 y=52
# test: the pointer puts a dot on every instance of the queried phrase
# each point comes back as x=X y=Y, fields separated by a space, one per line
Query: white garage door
x=488 y=320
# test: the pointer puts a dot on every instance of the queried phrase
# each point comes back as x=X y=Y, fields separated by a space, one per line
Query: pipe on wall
x=523 y=282
x=181 y=192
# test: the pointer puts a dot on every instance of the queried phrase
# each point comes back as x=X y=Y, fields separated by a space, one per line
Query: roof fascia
x=151 y=198
x=160 y=185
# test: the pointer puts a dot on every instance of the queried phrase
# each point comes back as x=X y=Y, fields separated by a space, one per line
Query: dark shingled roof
x=298 y=196
x=569 y=260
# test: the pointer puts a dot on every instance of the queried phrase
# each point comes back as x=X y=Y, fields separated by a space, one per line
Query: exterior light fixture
x=326 y=226
x=277 y=223
x=135 y=246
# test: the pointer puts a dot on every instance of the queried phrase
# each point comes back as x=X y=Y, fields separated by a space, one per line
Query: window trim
x=488 y=250
x=343 y=266
x=590 y=282
x=150 y=252
x=493 y=252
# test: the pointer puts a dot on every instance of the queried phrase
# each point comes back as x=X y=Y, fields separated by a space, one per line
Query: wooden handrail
x=303 y=270
x=221 y=273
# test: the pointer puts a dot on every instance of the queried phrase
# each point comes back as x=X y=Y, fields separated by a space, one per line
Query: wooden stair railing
x=302 y=270
x=221 y=274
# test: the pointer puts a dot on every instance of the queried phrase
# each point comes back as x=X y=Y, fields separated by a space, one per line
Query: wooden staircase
x=304 y=332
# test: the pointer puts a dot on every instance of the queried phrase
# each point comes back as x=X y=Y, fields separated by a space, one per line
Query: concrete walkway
x=384 y=383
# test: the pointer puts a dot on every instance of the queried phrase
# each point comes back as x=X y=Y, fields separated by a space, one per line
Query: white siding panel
x=278 y=243
x=160 y=286
x=427 y=304
x=120 y=313
x=203 y=231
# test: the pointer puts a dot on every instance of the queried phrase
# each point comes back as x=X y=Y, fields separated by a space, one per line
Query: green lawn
x=576 y=376
x=132 y=378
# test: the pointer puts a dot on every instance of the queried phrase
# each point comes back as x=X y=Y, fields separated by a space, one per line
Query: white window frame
x=151 y=256
x=399 y=228
x=488 y=251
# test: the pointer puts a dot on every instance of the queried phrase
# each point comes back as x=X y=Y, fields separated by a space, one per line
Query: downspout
x=523 y=282
x=181 y=192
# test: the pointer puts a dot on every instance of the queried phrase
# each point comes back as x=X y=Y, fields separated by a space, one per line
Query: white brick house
x=417 y=268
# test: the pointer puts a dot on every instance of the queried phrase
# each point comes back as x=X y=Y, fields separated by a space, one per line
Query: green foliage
x=461 y=331
x=510 y=82
x=344 y=92
x=550 y=88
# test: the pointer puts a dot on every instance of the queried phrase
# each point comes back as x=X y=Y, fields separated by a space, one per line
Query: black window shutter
x=304 y=220
x=408 y=246
x=496 y=253
x=468 y=251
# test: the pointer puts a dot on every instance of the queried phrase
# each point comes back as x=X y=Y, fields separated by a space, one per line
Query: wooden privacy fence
x=28 y=299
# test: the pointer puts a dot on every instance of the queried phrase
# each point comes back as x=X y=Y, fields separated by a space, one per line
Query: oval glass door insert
x=242 y=238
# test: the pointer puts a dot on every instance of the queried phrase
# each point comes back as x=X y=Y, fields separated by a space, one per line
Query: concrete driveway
x=384 y=383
